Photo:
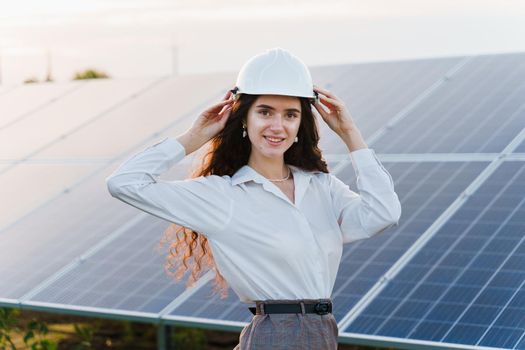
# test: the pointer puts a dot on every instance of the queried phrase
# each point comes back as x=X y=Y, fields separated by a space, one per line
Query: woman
x=274 y=217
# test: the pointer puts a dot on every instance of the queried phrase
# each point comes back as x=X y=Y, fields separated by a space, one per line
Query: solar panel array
x=466 y=285
x=450 y=131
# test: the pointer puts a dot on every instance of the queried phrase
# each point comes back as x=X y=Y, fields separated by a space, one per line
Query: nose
x=277 y=122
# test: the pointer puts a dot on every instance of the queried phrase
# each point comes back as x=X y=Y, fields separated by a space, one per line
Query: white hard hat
x=277 y=72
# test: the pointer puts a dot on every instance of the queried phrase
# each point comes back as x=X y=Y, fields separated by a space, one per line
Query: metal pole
x=49 y=76
x=164 y=337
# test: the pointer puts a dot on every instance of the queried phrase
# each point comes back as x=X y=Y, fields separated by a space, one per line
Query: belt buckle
x=322 y=308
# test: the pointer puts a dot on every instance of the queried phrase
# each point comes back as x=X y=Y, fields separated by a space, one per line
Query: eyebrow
x=288 y=109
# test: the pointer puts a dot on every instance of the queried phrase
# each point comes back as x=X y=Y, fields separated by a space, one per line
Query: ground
x=98 y=333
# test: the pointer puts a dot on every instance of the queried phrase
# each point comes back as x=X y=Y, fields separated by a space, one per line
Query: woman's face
x=273 y=116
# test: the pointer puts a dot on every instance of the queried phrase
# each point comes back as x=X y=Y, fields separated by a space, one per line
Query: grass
x=78 y=332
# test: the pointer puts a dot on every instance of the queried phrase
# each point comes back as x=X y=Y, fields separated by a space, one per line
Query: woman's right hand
x=212 y=120
x=207 y=125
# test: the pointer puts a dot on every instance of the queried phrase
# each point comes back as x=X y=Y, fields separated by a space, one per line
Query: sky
x=151 y=38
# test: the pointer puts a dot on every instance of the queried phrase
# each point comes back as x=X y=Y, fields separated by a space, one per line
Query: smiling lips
x=274 y=141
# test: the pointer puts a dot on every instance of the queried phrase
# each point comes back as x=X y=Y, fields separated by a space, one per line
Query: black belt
x=322 y=307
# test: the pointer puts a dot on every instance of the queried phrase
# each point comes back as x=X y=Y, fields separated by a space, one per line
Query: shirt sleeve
x=375 y=208
x=201 y=203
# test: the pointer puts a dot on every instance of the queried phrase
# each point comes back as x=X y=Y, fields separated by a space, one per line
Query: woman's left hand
x=338 y=118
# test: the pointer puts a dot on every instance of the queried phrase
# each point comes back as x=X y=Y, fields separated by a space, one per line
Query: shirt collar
x=301 y=181
x=247 y=173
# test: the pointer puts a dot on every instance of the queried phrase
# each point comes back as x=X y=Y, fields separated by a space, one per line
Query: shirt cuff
x=363 y=157
x=366 y=158
x=171 y=147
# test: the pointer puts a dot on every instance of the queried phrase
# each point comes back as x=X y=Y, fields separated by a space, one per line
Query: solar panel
x=376 y=93
x=30 y=185
x=426 y=190
x=480 y=108
x=73 y=110
x=466 y=285
x=325 y=75
x=54 y=234
x=124 y=274
x=168 y=102
x=76 y=155
x=520 y=148
x=62 y=229
x=19 y=102
x=204 y=304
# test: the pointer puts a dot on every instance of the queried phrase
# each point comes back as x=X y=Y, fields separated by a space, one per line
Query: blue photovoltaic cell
x=364 y=262
x=426 y=190
x=467 y=284
x=481 y=108
x=28 y=185
x=520 y=148
x=61 y=230
x=53 y=235
x=375 y=92
x=126 y=274
x=205 y=303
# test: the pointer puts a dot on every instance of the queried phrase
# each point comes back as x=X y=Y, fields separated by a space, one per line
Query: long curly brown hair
x=228 y=152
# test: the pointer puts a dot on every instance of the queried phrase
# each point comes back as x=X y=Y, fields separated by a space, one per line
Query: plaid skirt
x=308 y=331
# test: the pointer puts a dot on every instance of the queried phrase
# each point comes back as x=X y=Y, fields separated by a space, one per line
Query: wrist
x=348 y=128
x=191 y=140
x=353 y=139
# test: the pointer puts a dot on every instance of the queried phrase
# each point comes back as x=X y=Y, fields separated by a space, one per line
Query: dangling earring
x=296 y=139
x=243 y=131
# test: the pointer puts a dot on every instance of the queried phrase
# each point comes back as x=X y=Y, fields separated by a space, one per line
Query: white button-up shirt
x=265 y=246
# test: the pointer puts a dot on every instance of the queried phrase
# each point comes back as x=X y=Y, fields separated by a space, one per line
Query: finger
x=320 y=109
x=328 y=107
x=227 y=110
x=224 y=112
x=226 y=107
x=331 y=101
x=218 y=105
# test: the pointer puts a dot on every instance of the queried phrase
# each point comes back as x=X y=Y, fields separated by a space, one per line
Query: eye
x=293 y=115
x=264 y=111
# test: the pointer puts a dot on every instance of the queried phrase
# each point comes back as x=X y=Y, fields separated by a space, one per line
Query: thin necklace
x=286 y=178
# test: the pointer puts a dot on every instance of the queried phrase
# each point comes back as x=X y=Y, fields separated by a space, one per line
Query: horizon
x=157 y=38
